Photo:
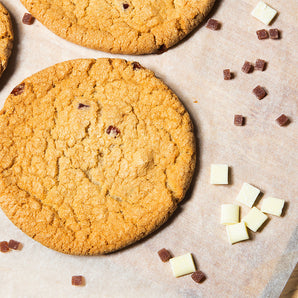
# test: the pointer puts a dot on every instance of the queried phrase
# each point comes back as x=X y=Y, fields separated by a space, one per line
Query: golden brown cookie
x=121 y=26
x=94 y=155
x=6 y=38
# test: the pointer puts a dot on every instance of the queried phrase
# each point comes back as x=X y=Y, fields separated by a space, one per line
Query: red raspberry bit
x=213 y=24
x=259 y=92
x=136 y=65
x=260 y=65
x=78 y=280
x=247 y=67
x=4 y=246
x=227 y=74
x=113 y=131
x=274 y=33
x=262 y=34
x=238 y=120
x=164 y=255
x=18 y=89
x=82 y=106
x=28 y=19
x=12 y=244
x=283 y=120
x=198 y=276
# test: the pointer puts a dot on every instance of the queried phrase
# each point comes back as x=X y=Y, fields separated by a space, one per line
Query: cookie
x=94 y=155
x=6 y=38
x=121 y=26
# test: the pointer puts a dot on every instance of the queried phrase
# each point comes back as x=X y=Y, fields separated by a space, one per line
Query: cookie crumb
x=78 y=280
x=28 y=19
x=282 y=120
x=259 y=92
x=262 y=34
x=213 y=24
x=274 y=33
x=198 y=276
x=164 y=255
x=260 y=65
x=4 y=246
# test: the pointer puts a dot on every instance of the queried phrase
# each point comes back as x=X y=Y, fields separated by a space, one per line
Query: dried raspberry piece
x=136 y=65
x=78 y=280
x=259 y=92
x=260 y=65
x=213 y=24
x=18 y=89
x=274 y=33
x=82 y=106
x=13 y=244
x=28 y=19
x=282 y=120
x=113 y=131
x=247 y=67
x=238 y=120
x=4 y=246
x=227 y=74
x=198 y=276
x=262 y=34
x=164 y=255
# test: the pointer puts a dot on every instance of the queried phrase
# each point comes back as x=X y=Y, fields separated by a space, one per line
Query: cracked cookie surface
x=6 y=38
x=121 y=26
x=94 y=155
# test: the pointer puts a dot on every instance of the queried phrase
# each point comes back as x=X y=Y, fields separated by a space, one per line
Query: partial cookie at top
x=94 y=155
x=121 y=26
x=6 y=38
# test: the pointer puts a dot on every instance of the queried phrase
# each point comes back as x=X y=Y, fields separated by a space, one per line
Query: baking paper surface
x=260 y=153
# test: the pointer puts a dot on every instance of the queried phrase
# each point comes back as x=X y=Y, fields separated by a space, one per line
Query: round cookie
x=121 y=26
x=94 y=155
x=6 y=37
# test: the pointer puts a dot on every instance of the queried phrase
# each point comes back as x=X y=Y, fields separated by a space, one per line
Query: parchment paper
x=260 y=153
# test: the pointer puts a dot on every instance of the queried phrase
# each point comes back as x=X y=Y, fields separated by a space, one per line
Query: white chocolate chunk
x=229 y=214
x=237 y=232
x=273 y=206
x=264 y=13
x=254 y=219
x=248 y=194
x=219 y=174
x=182 y=265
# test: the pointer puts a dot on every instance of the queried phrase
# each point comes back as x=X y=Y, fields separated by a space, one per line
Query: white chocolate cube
x=229 y=214
x=237 y=232
x=248 y=194
x=219 y=174
x=182 y=265
x=254 y=219
x=264 y=13
x=273 y=206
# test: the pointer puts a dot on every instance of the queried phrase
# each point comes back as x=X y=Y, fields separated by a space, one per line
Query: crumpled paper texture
x=260 y=153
